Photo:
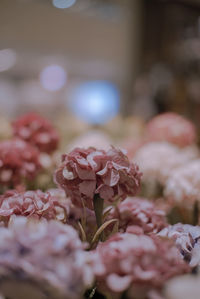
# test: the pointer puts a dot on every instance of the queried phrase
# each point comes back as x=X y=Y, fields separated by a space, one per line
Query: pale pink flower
x=19 y=161
x=183 y=186
x=172 y=128
x=33 y=203
x=139 y=212
x=38 y=131
x=187 y=240
x=183 y=287
x=86 y=172
x=157 y=160
x=47 y=255
x=136 y=263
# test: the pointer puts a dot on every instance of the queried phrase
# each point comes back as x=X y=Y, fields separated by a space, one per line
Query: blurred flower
x=93 y=138
x=172 y=128
x=158 y=159
x=137 y=263
x=183 y=287
x=187 y=239
x=141 y=213
x=46 y=256
x=36 y=130
x=86 y=172
x=19 y=161
x=32 y=203
x=183 y=186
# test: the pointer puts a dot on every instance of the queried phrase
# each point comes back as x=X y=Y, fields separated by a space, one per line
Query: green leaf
x=101 y=229
x=83 y=235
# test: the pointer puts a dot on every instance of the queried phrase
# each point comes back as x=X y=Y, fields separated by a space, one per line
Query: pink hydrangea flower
x=136 y=263
x=36 y=130
x=187 y=239
x=19 y=161
x=48 y=256
x=183 y=186
x=86 y=172
x=157 y=160
x=172 y=128
x=139 y=212
x=33 y=203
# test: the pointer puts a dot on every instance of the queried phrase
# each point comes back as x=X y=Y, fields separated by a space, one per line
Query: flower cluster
x=33 y=203
x=19 y=161
x=158 y=159
x=187 y=239
x=140 y=213
x=38 y=131
x=86 y=172
x=172 y=128
x=184 y=184
x=137 y=263
x=46 y=255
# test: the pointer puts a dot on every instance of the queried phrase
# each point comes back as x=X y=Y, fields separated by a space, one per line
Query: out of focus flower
x=141 y=213
x=33 y=203
x=187 y=239
x=172 y=128
x=93 y=138
x=19 y=161
x=183 y=287
x=183 y=186
x=157 y=160
x=38 y=131
x=86 y=172
x=136 y=264
x=46 y=258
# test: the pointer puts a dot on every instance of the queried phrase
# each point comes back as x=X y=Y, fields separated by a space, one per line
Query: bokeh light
x=95 y=101
x=53 y=77
x=7 y=59
x=63 y=3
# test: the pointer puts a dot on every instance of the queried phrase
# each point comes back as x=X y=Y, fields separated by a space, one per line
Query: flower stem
x=195 y=213
x=98 y=208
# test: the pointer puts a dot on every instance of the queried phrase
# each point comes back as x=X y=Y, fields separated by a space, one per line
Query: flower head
x=33 y=203
x=172 y=128
x=18 y=161
x=158 y=159
x=137 y=263
x=46 y=255
x=86 y=172
x=36 y=130
x=187 y=240
x=183 y=186
x=139 y=212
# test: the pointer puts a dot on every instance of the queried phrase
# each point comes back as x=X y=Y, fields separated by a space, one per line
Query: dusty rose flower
x=141 y=213
x=172 y=128
x=183 y=186
x=36 y=130
x=33 y=203
x=47 y=256
x=86 y=172
x=157 y=160
x=187 y=239
x=19 y=161
x=136 y=263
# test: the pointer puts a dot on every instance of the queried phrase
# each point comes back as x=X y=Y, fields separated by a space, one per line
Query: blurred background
x=100 y=64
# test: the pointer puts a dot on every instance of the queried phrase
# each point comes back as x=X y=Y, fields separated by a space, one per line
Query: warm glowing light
x=95 y=101
x=63 y=3
x=53 y=77
x=7 y=59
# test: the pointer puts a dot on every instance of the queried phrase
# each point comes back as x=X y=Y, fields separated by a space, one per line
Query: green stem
x=195 y=213
x=98 y=208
